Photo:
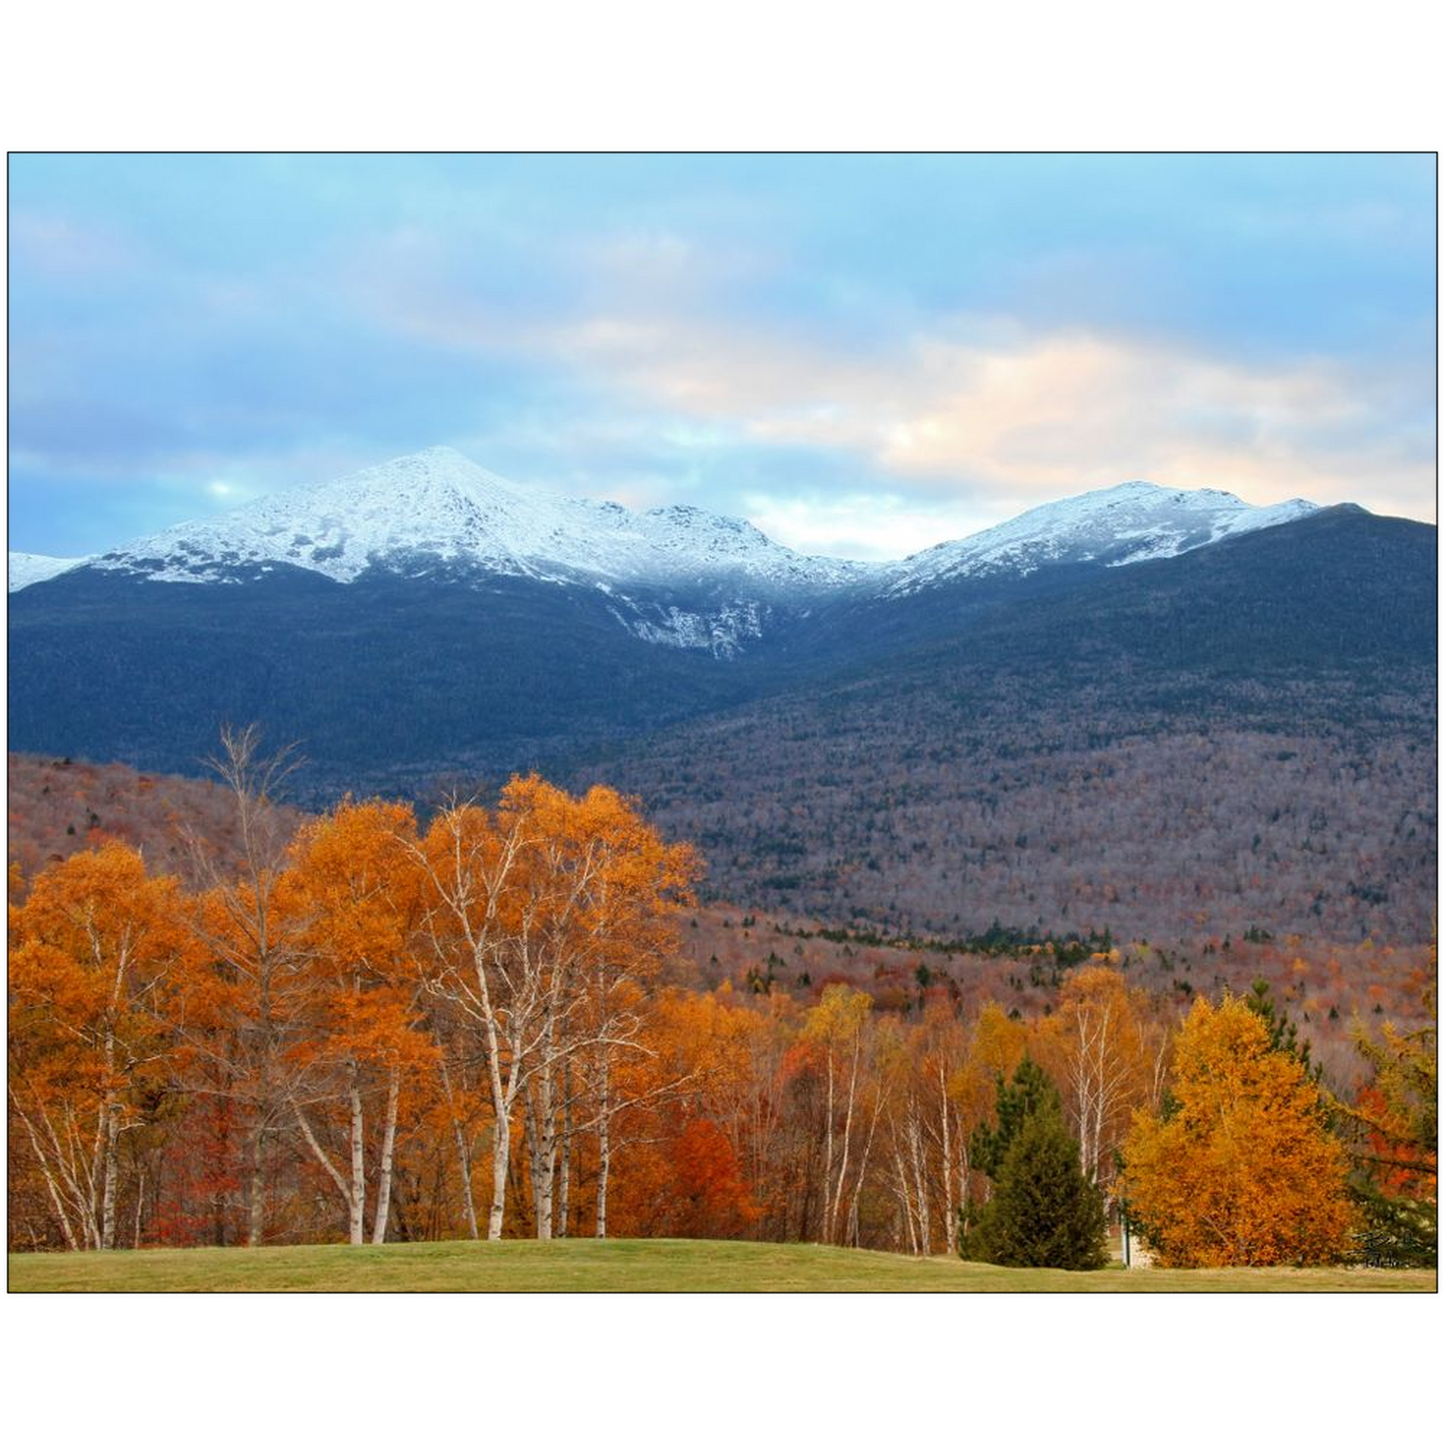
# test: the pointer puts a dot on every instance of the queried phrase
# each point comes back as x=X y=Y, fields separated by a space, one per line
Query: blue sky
x=863 y=355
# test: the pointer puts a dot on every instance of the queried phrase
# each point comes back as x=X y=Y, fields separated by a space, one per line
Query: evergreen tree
x=1030 y=1088
x=1392 y=1132
x=1042 y=1211
x=1283 y=1031
x=1044 y=1214
x=1399 y=1232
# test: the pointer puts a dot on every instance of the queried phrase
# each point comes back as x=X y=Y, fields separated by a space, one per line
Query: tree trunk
x=847 y=1135
x=920 y=1179
x=905 y=1199
x=542 y=1148
x=504 y=1094
x=97 y=1174
x=108 y=1201
x=950 y=1214
x=464 y=1159
x=356 y=1195
x=464 y=1154
x=604 y=1149
x=388 y=1146
x=501 y=1151
x=564 y=1187
x=256 y=1222
x=828 y=1159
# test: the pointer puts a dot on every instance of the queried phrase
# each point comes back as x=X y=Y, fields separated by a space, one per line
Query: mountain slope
x=388 y=679
x=1133 y=522
x=23 y=569
x=1243 y=736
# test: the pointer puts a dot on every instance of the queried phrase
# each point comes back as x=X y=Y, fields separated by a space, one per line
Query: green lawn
x=630 y=1264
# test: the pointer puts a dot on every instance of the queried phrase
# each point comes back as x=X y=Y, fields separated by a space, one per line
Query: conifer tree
x=1283 y=1031
x=1015 y=1101
x=1044 y=1214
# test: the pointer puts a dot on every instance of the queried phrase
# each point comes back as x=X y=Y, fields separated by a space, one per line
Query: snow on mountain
x=23 y=568
x=1133 y=522
x=435 y=506
x=677 y=576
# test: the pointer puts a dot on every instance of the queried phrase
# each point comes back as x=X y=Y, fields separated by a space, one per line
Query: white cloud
x=868 y=526
x=1042 y=416
x=968 y=406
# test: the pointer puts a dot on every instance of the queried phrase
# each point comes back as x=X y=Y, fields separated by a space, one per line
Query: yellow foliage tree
x=1241 y=1170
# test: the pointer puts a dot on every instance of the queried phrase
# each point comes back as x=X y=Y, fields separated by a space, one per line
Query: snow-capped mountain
x=675 y=576
x=425 y=620
x=23 y=568
x=436 y=506
x=1133 y=522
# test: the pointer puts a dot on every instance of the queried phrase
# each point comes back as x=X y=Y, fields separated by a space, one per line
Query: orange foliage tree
x=539 y=922
x=1240 y=1169
x=90 y=949
x=359 y=888
x=1107 y=1055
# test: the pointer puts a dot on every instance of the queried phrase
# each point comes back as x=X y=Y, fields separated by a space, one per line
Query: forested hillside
x=286 y=1041
x=1224 y=741
x=59 y=806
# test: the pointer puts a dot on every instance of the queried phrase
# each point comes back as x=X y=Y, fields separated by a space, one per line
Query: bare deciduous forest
x=1047 y=818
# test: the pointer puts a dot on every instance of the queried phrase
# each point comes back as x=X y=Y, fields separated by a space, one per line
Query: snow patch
x=1133 y=522
x=23 y=569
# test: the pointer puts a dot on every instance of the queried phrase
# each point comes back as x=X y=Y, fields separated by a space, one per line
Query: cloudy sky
x=863 y=355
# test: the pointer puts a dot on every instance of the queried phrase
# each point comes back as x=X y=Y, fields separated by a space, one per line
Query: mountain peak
x=1131 y=522
x=438 y=506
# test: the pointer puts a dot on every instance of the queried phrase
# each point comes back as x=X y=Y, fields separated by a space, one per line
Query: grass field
x=664 y=1265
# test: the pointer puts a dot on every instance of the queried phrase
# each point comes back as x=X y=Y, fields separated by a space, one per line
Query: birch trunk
x=388 y=1148
x=356 y=1194
x=464 y=1153
x=847 y=1135
x=112 y=1133
x=564 y=1186
x=824 y=1221
x=97 y=1174
x=501 y=1154
x=604 y=1148
x=925 y=1227
x=464 y=1159
x=905 y=1200
x=950 y=1214
x=504 y=1094
x=542 y=1147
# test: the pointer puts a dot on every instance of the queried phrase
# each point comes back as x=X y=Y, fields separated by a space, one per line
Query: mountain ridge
x=438 y=505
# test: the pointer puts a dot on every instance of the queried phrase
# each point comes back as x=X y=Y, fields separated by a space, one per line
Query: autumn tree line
x=377 y=1030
